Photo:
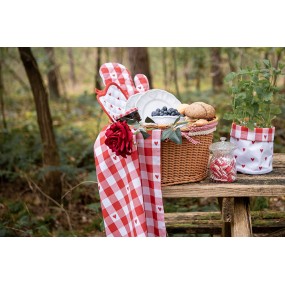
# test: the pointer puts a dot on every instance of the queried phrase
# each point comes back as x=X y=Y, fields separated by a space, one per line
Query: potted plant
x=254 y=106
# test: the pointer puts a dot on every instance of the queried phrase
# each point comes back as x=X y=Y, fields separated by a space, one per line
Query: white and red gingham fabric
x=258 y=135
x=119 y=74
x=149 y=160
x=112 y=100
x=141 y=83
x=129 y=189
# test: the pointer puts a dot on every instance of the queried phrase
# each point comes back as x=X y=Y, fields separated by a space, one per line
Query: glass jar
x=223 y=163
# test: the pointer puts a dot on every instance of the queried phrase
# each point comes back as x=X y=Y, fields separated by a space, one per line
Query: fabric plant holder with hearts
x=254 y=149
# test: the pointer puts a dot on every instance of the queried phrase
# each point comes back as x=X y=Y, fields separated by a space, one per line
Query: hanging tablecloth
x=130 y=188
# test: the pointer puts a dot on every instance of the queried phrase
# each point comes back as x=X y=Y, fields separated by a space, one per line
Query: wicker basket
x=185 y=163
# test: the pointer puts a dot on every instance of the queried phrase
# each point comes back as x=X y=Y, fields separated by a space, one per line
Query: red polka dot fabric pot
x=254 y=149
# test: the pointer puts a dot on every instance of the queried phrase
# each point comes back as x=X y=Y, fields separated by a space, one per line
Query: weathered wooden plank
x=223 y=190
x=196 y=222
x=279 y=160
x=255 y=215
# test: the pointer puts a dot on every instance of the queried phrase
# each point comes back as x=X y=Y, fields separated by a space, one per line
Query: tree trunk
x=2 y=106
x=231 y=57
x=98 y=63
x=216 y=62
x=52 y=74
x=198 y=82
x=164 y=65
x=173 y=53
x=186 y=73
x=71 y=66
x=139 y=62
x=107 y=53
x=53 y=185
x=117 y=54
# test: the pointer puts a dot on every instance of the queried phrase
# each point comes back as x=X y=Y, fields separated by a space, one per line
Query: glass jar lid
x=222 y=146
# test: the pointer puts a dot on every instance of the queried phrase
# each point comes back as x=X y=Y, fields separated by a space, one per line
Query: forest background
x=70 y=75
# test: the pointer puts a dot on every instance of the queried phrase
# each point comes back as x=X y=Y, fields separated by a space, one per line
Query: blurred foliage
x=77 y=120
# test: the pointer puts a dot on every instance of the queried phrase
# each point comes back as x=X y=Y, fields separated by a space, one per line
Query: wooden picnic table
x=234 y=197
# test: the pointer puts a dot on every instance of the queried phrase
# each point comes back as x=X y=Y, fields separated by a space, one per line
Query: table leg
x=241 y=223
x=226 y=207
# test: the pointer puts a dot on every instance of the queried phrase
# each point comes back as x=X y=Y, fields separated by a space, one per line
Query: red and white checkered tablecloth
x=130 y=189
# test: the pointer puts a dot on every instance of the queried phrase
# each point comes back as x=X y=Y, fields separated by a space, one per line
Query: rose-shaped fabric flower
x=119 y=138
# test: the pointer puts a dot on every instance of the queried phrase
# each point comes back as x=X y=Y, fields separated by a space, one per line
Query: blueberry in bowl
x=164 y=115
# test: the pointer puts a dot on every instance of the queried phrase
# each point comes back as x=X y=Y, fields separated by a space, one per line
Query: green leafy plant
x=255 y=95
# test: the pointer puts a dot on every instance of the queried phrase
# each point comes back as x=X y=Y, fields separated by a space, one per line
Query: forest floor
x=25 y=212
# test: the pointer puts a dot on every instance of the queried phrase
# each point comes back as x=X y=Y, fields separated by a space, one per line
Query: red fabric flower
x=119 y=138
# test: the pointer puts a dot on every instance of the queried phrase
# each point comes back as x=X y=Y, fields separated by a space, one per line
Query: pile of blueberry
x=165 y=112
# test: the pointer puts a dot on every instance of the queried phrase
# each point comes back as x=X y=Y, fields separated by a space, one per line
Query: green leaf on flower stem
x=230 y=76
x=176 y=120
x=181 y=123
x=281 y=65
x=266 y=62
x=175 y=136
x=268 y=96
x=149 y=120
x=166 y=134
x=144 y=134
x=243 y=71
x=131 y=122
x=179 y=136
x=250 y=125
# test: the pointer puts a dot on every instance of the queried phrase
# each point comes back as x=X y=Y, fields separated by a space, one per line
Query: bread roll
x=181 y=108
x=200 y=110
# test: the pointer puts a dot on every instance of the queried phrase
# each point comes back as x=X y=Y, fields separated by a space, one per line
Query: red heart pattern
x=252 y=159
x=115 y=157
x=155 y=143
x=114 y=216
x=260 y=167
x=265 y=136
x=159 y=208
x=235 y=156
x=156 y=176
x=265 y=157
x=243 y=149
x=261 y=150
x=243 y=165
x=253 y=142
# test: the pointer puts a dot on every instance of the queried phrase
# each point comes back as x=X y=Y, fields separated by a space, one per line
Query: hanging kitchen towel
x=149 y=161
x=129 y=189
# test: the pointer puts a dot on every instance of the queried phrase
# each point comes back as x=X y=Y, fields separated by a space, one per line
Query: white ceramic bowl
x=164 y=120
